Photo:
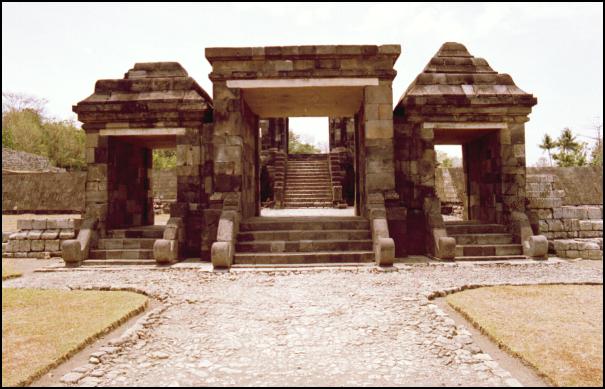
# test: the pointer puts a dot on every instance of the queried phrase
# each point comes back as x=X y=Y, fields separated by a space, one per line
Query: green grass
x=556 y=329
x=42 y=328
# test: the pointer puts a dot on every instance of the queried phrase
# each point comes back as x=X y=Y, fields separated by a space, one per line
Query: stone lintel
x=464 y=126
x=142 y=131
x=302 y=83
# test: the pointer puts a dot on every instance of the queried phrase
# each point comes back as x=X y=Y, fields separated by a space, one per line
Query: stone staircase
x=131 y=246
x=308 y=182
x=476 y=241
x=300 y=240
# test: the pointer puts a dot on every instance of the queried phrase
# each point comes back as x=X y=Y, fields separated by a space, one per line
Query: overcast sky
x=553 y=51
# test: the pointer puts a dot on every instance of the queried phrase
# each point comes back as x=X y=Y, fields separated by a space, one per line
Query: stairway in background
x=130 y=246
x=308 y=182
x=299 y=240
x=476 y=241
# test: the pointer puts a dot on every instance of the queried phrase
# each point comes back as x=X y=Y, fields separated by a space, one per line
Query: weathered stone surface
x=292 y=317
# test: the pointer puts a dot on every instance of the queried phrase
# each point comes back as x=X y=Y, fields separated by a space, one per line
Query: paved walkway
x=330 y=327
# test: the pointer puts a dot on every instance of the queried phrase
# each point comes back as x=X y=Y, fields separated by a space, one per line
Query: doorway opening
x=307 y=166
x=449 y=181
x=477 y=184
x=141 y=180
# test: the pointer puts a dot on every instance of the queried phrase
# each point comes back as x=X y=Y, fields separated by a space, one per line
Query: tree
x=548 y=144
x=597 y=154
x=297 y=146
x=25 y=127
x=445 y=161
x=164 y=158
x=597 y=151
x=571 y=152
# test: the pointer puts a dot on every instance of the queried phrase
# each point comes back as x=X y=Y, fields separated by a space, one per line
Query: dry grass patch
x=557 y=329
x=9 y=273
x=42 y=328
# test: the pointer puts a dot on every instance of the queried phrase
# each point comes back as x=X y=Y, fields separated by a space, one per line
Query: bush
x=25 y=128
x=164 y=159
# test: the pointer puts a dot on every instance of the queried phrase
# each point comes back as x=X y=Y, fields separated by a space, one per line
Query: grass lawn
x=42 y=328
x=557 y=329
x=9 y=273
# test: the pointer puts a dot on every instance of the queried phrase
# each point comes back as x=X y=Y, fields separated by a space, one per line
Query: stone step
x=461 y=222
x=319 y=191
x=121 y=254
x=303 y=246
x=308 y=169
x=304 y=223
x=126 y=243
x=310 y=180
x=117 y=262
x=460 y=229
x=307 y=176
x=305 y=165
x=308 y=197
x=303 y=157
x=304 y=235
x=465 y=239
x=156 y=232
x=301 y=167
x=315 y=257
x=300 y=204
x=490 y=258
x=488 y=250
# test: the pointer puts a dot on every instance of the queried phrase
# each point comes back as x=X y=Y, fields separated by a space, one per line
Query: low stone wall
x=43 y=192
x=48 y=192
x=572 y=230
x=579 y=185
x=40 y=238
x=563 y=204
x=163 y=183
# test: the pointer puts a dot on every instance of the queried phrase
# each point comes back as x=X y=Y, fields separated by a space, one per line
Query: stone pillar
x=235 y=147
x=278 y=133
x=96 y=199
x=376 y=122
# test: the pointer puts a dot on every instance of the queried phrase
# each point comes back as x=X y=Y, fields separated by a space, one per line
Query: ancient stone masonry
x=571 y=219
x=460 y=99
x=154 y=105
x=39 y=238
x=232 y=151
x=273 y=160
x=572 y=230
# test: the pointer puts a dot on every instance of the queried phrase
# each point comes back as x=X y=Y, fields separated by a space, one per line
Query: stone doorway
x=307 y=166
x=130 y=178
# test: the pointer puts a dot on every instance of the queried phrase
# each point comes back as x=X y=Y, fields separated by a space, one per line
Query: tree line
x=567 y=150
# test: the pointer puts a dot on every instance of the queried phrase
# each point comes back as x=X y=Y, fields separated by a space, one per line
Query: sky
x=555 y=52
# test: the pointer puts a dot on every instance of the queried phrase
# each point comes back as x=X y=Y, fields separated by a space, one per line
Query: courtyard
x=317 y=326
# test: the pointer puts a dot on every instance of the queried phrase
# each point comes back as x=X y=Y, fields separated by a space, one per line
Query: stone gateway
x=232 y=156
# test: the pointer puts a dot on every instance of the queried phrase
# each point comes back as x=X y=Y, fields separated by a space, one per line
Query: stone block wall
x=128 y=191
x=40 y=238
x=572 y=230
x=43 y=192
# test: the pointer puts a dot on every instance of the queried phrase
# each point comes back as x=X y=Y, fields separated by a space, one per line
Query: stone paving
x=332 y=327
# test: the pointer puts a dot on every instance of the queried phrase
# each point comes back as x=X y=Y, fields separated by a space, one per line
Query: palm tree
x=567 y=142
x=548 y=144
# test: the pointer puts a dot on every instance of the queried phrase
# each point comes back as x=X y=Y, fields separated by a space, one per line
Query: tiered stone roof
x=454 y=77
x=150 y=94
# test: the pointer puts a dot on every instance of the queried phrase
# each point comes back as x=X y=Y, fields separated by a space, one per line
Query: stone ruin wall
x=40 y=238
x=564 y=204
x=47 y=192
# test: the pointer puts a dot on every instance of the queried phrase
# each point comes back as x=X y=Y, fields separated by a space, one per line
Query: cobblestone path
x=331 y=327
